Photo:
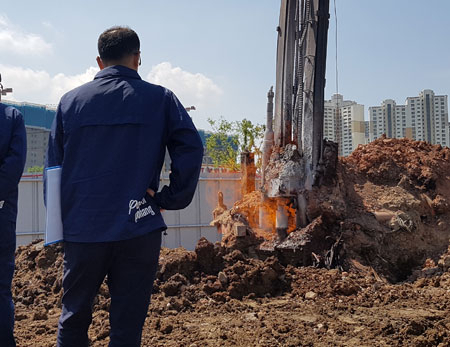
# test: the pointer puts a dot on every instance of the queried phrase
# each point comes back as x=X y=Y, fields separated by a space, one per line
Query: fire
x=249 y=207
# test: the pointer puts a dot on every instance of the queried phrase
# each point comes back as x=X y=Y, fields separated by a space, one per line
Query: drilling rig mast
x=299 y=108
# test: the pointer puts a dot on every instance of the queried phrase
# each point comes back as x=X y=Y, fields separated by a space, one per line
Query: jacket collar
x=116 y=71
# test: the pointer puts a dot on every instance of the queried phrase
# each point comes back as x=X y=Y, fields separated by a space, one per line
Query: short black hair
x=118 y=42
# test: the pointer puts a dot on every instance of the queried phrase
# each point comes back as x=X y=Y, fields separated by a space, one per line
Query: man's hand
x=151 y=192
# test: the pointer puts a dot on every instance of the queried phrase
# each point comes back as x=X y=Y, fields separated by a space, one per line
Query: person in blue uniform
x=110 y=137
x=13 y=149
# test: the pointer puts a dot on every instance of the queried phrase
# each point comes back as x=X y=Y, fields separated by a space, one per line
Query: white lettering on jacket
x=1 y=204
x=140 y=213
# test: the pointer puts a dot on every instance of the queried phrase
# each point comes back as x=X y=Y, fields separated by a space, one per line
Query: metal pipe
x=289 y=64
x=319 y=84
x=281 y=222
x=280 y=69
x=268 y=135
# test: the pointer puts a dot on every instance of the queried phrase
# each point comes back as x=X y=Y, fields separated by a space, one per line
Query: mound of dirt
x=397 y=205
x=417 y=165
x=386 y=210
x=371 y=268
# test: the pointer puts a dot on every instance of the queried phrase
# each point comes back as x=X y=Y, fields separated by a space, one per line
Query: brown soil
x=378 y=275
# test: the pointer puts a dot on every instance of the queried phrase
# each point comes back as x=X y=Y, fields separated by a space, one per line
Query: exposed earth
x=371 y=269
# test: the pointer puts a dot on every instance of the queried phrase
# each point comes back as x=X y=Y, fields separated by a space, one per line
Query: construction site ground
x=386 y=222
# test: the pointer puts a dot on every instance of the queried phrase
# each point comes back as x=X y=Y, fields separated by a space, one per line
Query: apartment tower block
x=423 y=118
x=344 y=123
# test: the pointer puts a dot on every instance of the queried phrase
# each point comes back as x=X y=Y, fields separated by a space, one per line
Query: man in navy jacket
x=13 y=149
x=110 y=137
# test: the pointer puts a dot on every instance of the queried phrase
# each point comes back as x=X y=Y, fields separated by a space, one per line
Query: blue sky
x=220 y=55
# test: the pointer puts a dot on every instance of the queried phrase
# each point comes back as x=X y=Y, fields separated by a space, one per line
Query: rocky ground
x=380 y=278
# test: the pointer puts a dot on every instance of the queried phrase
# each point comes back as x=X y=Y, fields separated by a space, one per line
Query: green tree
x=229 y=139
x=250 y=138
x=222 y=144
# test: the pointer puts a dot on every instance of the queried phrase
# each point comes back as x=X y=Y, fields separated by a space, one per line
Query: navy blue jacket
x=13 y=152
x=110 y=136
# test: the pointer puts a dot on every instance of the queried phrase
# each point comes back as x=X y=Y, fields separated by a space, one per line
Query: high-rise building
x=344 y=123
x=367 y=131
x=424 y=117
x=37 y=142
x=389 y=119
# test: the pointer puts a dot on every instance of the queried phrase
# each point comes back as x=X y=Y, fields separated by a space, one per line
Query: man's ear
x=100 y=63
x=136 y=61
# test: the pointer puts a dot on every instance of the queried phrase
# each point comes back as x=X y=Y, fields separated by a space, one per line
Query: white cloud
x=15 y=40
x=38 y=86
x=192 y=89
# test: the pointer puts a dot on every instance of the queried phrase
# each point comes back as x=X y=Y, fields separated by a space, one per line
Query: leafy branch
x=229 y=139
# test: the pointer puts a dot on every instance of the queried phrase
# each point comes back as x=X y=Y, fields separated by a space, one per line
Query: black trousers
x=7 y=249
x=130 y=266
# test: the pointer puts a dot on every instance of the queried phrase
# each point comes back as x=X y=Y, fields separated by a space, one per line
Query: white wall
x=185 y=227
x=31 y=213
